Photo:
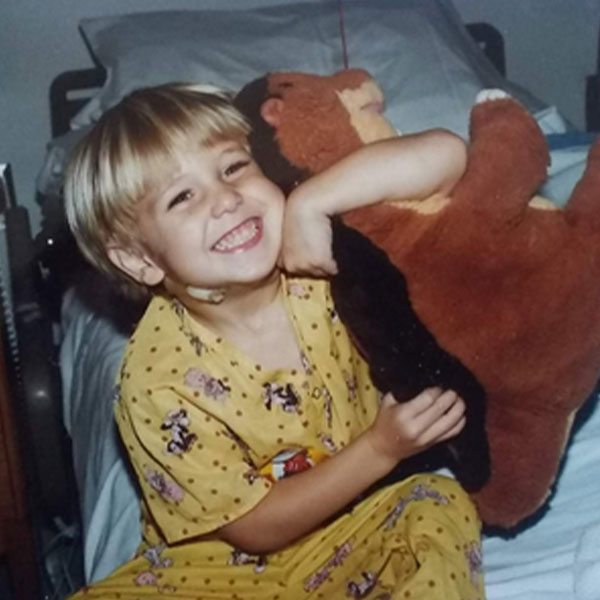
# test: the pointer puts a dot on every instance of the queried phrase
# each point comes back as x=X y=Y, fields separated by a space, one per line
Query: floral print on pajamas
x=209 y=431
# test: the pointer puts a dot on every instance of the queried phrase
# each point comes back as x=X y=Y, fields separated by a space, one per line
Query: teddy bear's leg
x=525 y=452
x=584 y=205
x=507 y=159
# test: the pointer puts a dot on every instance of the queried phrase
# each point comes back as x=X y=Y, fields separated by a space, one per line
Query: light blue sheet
x=91 y=351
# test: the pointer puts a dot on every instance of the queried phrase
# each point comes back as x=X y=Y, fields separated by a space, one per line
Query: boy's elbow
x=452 y=152
x=253 y=541
x=451 y=144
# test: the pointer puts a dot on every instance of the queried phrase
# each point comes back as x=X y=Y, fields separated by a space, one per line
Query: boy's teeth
x=240 y=235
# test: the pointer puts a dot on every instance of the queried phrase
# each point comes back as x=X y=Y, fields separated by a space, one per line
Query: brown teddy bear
x=505 y=289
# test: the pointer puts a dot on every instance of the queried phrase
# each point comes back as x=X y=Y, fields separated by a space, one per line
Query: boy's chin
x=237 y=283
x=256 y=274
x=257 y=278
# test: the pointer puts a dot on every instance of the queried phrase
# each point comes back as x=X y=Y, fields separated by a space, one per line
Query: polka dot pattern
x=354 y=556
x=223 y=398
x=200 y=428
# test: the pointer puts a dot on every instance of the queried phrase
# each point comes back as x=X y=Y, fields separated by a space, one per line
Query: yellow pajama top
x=209 y=431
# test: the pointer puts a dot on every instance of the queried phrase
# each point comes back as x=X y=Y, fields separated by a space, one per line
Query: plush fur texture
x=502 y=291
x=403 y=355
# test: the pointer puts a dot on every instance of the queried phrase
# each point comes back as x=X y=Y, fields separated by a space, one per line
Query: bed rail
x=34 y=368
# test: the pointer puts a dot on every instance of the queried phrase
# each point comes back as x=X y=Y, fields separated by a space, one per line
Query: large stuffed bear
x=489 y=291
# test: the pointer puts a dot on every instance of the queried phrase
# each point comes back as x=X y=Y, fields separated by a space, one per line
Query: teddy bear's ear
x=271 y=110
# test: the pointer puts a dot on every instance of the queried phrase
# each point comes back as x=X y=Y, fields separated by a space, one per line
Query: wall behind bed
x=551 y=47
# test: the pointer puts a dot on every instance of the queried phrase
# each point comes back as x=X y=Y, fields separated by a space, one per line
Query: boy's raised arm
x=410 y=167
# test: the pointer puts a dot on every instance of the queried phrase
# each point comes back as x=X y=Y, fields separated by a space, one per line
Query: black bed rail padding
x=36 y=376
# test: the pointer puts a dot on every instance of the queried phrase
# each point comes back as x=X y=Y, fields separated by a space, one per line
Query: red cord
x=343 y=35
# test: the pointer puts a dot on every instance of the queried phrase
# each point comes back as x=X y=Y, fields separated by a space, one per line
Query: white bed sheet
x=547 y=561
x=557 y=558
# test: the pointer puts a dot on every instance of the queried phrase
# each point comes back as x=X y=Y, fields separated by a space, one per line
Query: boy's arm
x=297 y=505
x=409 y=167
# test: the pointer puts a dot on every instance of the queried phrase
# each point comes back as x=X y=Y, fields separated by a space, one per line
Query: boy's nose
x=227 y=199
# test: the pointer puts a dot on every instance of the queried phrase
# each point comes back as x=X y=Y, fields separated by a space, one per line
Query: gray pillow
x=418 y=51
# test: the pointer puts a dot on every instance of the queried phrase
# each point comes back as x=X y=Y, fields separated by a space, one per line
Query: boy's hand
x=403 y=429
x=306 y=244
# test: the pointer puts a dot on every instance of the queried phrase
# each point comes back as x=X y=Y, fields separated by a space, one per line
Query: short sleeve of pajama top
x=204 y=425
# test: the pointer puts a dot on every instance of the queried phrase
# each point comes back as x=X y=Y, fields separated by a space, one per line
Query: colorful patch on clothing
x=306 y=363
x=336 y=560
x=297 y=290
x=328 y=443
x=284 y=396
x=352 y=386
x=149 y=577
x=177 y=423
x=419 y=492
x=364 y=586
x=211 y=386
x=166 y=488
x=197 y=344
x=291 y=462
x=328 y=402
x=153 y=555
x=474 y=558
x=239 y=558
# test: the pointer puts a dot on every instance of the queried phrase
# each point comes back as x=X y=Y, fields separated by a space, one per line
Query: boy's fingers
x=444 y=426
x=334 y=267
x=316 y=270
x=458 y=427
x=388 y=400
x=440 y=405
x=316 y=267
x=424 y=401
x=330 y=266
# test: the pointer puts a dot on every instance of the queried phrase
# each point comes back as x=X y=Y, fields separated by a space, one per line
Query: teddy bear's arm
x=508 y=158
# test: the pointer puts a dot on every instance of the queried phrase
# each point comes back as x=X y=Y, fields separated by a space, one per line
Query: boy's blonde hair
x=114 y=165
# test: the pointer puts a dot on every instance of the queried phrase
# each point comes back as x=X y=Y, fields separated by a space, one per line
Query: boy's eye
x=179 y=198
x=235 y=167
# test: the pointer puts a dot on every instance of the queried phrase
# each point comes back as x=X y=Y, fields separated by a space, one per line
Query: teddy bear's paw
x=491 y=94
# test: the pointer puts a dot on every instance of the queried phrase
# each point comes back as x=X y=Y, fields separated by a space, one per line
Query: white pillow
x=227 y=48
x=427 y=63
x=418 y=50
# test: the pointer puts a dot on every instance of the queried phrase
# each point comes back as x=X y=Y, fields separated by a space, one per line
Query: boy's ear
x=135 y=264
x=270 y=111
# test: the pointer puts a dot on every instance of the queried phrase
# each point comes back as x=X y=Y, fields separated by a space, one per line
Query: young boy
x=238 y=377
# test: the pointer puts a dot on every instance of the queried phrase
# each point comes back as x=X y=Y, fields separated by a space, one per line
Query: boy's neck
x=244 y=306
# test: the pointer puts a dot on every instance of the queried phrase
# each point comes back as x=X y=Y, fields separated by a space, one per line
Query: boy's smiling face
x=212 y=221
